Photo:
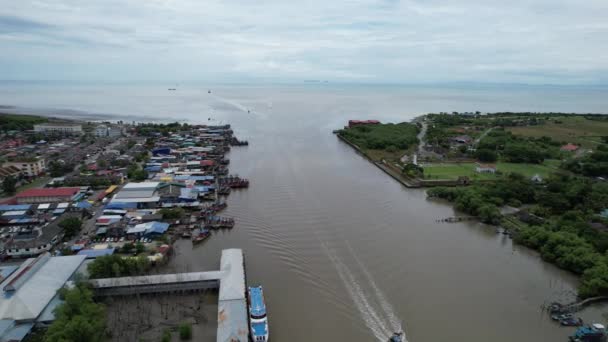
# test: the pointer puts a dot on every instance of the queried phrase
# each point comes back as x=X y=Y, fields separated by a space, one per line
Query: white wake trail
x=388 y=309
x=368 y=313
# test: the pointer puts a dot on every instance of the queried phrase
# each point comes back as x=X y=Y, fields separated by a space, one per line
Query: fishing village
x=94 y=209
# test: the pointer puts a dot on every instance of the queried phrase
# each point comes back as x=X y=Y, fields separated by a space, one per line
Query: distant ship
x=257 y=315
x=208 y=91
x=172 y=89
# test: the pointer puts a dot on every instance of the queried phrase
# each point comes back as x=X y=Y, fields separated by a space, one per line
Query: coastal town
x=90 y=210
x=538 y=178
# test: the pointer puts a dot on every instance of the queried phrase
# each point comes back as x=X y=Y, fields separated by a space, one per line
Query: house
x=11 y=170
x=47 y=195
x=29 y=167
x=604 y=213
x=569 y=147
x=353 y=123
x=485 y=168
x=58 y=127
x=137 y=195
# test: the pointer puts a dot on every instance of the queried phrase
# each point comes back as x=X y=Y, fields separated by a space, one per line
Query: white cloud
x=362 y=40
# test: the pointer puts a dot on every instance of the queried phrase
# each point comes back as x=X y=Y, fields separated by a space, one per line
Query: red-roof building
x=207 y=162
x=352 y=123
x=569 y=148
x=46 y=195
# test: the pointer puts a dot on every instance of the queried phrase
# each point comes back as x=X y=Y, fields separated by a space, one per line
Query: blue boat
x=592 y=333
x=258 y=320
x=397 y=337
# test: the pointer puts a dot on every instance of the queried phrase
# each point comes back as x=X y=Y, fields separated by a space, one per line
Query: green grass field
x=453 y=171
x=576 y=130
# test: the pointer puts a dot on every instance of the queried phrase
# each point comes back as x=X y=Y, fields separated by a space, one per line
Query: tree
x=486 y=155
x=9 y=185
x=185 y=331
x=71 y=226
x=172 y=213
x=78 y=318
x=140 y=248
x=110 y=266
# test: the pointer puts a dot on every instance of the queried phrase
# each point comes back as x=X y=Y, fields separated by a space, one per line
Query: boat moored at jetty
x=397 y=337
x=258 y=320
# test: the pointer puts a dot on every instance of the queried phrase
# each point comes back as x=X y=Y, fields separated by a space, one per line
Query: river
x=343 y=251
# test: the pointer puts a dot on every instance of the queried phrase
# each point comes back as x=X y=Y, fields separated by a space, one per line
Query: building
x=101 y=131
x=33 y=237
x=136 y=195
x=29 y=167
x=352 y=123
x=63 y=128
x=485 y=168
x=30 y=293
x=569 y=147
x=108 y=131
x=10 y=170
x=47 y=195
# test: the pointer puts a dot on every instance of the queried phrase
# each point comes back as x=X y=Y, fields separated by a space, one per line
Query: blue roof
x=204 y=188
x=83 y=205
x=58 y=211
x=14 y=207
x=12 y=331
x=259 y=329
x=256 y=297
x=121 y=205
x=94 y=253
x=153 y=168
x=157 y=227
x=194 y=178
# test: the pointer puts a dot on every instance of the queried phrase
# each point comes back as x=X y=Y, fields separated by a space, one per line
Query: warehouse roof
x=48 y=192
x=36 y=286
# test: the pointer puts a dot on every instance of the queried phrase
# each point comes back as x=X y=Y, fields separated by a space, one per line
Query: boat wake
x=382 y=323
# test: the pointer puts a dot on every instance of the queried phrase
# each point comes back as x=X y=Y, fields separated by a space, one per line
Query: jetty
x=232 y=323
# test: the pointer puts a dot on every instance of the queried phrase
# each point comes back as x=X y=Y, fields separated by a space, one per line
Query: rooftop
x=38 y=285
x=48 y=192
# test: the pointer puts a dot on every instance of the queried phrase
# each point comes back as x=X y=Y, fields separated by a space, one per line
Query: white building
x=30 y=168
x=60 y=128
x=108 y=131
x=101 y=131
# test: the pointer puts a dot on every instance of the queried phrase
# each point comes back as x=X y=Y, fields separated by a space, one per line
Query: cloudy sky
x=515 y=41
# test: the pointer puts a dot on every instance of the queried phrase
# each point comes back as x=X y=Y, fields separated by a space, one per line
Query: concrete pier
x=232 y=304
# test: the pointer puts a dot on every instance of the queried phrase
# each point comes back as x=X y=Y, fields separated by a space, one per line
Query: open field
x=455 y=170
x=577 y=130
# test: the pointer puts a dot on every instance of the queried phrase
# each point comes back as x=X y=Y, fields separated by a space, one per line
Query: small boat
x=397 y=337
x=208 y=91
x=258 y=320
x=199 y=235
x=186 y=235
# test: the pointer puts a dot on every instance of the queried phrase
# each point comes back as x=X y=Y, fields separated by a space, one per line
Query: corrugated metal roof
x=28 y=301
x=12 y=207
x=156 y=279
x=142 y=185
x=233 y=284
x=94 y=253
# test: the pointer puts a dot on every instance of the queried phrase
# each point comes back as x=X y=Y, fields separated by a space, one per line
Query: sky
x=393 y=41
